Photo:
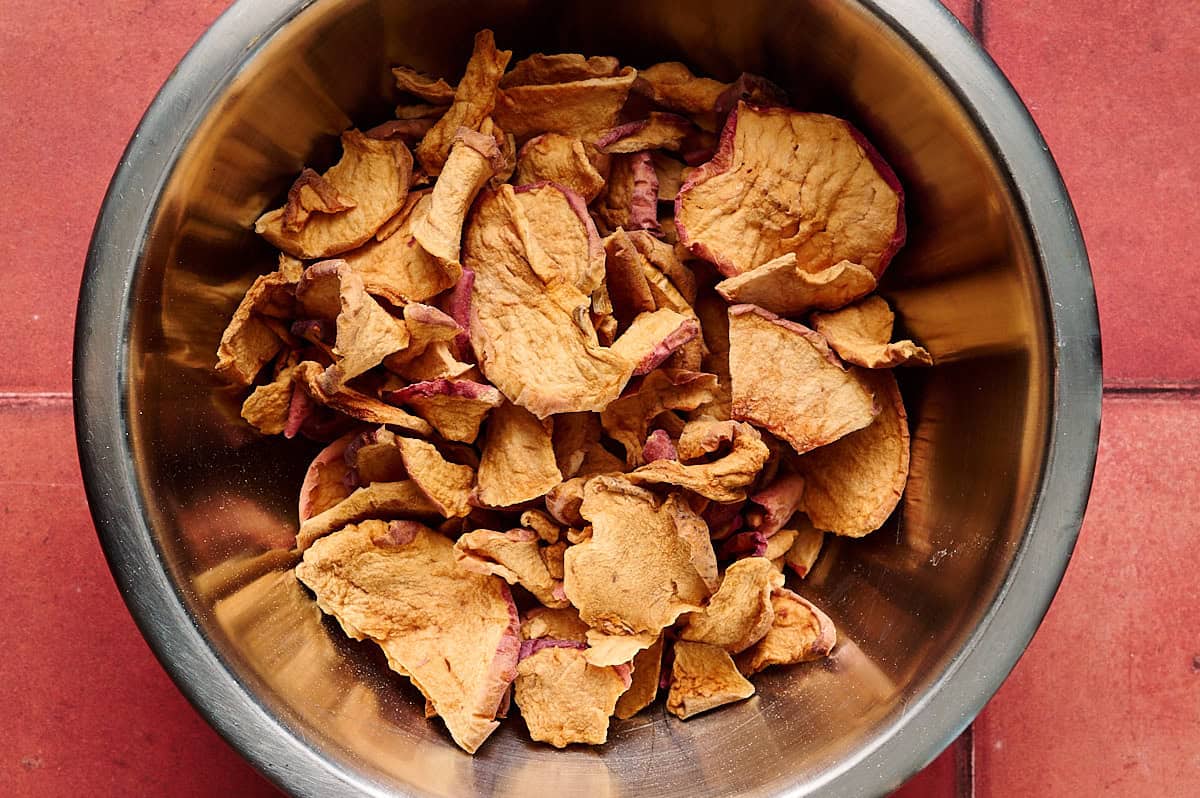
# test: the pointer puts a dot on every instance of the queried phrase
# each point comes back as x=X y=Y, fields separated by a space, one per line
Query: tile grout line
x=978 y=22
x=1151 y=389
x=964 y=763
x=34 y=398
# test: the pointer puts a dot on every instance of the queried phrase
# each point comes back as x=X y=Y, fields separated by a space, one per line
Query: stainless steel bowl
x=934 y=610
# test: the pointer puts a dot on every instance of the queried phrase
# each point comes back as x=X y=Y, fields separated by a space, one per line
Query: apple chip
x=704 y=437
x=647 y=671
x=325 y=481
x=565 y=700
x=778 y=545
x=754 y=90
x=740 y=612
x=782 y=286
x=355 y=403
x=802 y=393
x=249 y=342
x=564 y=500
x=518 y=458
x=662 y=258
x=454 y=409
x=577 y=107
x=799 y=633
x=779 y=502
x=630 y=197
x=558 y=624
x=371 y=181
x=659 y=131
x=446 y=484
x=379 y=500
x=539 y=69
x=750 y=543
x=542 y=525
x=723 y=480
x=703 y=677
x=861 y=334
x=854 y=484
x=627 y=420
x=659 y=446
x=574 y=435
x=832 y=199
x=373 y=457
x=266 y=409
x=672 y=85
x=642 y=566
x=654 y=337
x=805 y=549
x=395 y=267
x=566 y=233
x=474 y=157
x=474 y=100
x=616 y=649
x=452 y=632
x=513 y=556
x=311 y=194
x=626 y=279
x=555 y=158
x=432 y=90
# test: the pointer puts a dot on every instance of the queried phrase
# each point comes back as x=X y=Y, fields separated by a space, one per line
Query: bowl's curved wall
x=221 y=500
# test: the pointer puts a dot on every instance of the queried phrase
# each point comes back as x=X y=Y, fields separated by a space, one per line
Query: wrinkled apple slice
x=324 y=482
x=564 y=699
x=576 y=107
x=454 y=409
x=627 y=420
x=723 y=480
x=447 y=485
x=474 y=158
x=249 y=342
x=658 y=131
x=862 y=334
x=830 y=197
x=378 y=500
x=799 y=633
x=539 y=69
x=560 y=624
x=854 y=484
x=782 y=286
x=801 y=393
x=805 y=549
x=630 y=197
x=740 y=612
x=555 y=158
x=672 y=85
x=452 y=632
x=373 y=175
x=355 y=403
x=647 y=671
x=430 y=89
x=518 y=462
x=617 y=649
x=778 y=501
x=515 y=557
x=266 y=408
x=703 y=677
x=559 y=218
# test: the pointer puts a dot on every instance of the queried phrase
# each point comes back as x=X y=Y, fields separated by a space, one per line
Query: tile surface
x=1107 y=83
x=1106 y=701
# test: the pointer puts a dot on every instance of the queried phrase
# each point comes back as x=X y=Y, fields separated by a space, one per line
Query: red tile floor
x=1105 y=702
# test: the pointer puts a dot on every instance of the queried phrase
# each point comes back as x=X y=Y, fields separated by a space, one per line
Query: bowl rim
x=948 y=705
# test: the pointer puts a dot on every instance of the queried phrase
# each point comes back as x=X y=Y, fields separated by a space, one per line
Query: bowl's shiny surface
x=195 y=510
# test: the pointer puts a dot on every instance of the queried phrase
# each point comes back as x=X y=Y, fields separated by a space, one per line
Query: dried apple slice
x=627 y=286
x=703 y=677
x=474 y=158
x=643 y=565
x=430 y=89
x=515 y=557
x=805 y=549
x=779 y=502
x=249 y=342
x=662 y=258
x=617 y=649
x=799 y=633
x=373 y=174
x=379 y=500
x=658 y=131
x=647 y=671
x=518 y=462
x=559 y=624
x=452 y=632
x=446 y=484
x=454 y=409
x=266 y=408
x=801 y=392
x=355 y=403
x=566 y=233
x=830 y=197
x=578 y=107
x=324 y=482
x=540 y=68
x=723 y=480
x=630 y=197
x=627 y=420
x=782 y=286
x=854 y=484
x=740 y=612
x=861 y=334
x=565 y=700
x=474 y=99
x=672 y=85
x=555 y=158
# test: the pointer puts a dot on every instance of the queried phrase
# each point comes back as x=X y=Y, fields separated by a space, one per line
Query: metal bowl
x=195 y=512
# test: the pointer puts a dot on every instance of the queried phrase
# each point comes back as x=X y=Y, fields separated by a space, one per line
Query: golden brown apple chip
x=672 y=85
x=778 y=545
x=703 y=677
x=861 y=334
x=373 y=457
x=447 y=484
x=671 y=175
x=454 y=409
x=325 y=482
x=355 y=403
x=452 y=632
x=540 y=68
x=805 y=549
x=555 y=158
x=396 y=267
x=373 y=174
x=563 y=502
x=799 y=633
x=558 y=624
x=474 y=99
x=704 y=437
x=311 y=194
x=611 y=649
x=782 y=286
x=802 y=393
x=740 y=612
x=662 y=257
x=559 y=219
x=474 y=157
x=653 y=337
x=515 y=557
x=518 y=458
x=628 y=288
x=565 y=700
x=630 y=196
x=723 y=480
x=659 y=131
x=830 y=198
x=642 y=566
x=266 y=409
x=249 y=342
x=777 y=503
x=627 y=420
x=541 y=524
x=378 y=500
x=432 y=90
x=855 y=483
x=647 y=671
x=578 y=107
x=574 y=433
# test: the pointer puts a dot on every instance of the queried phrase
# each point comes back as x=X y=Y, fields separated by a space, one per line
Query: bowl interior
x=967 y=285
